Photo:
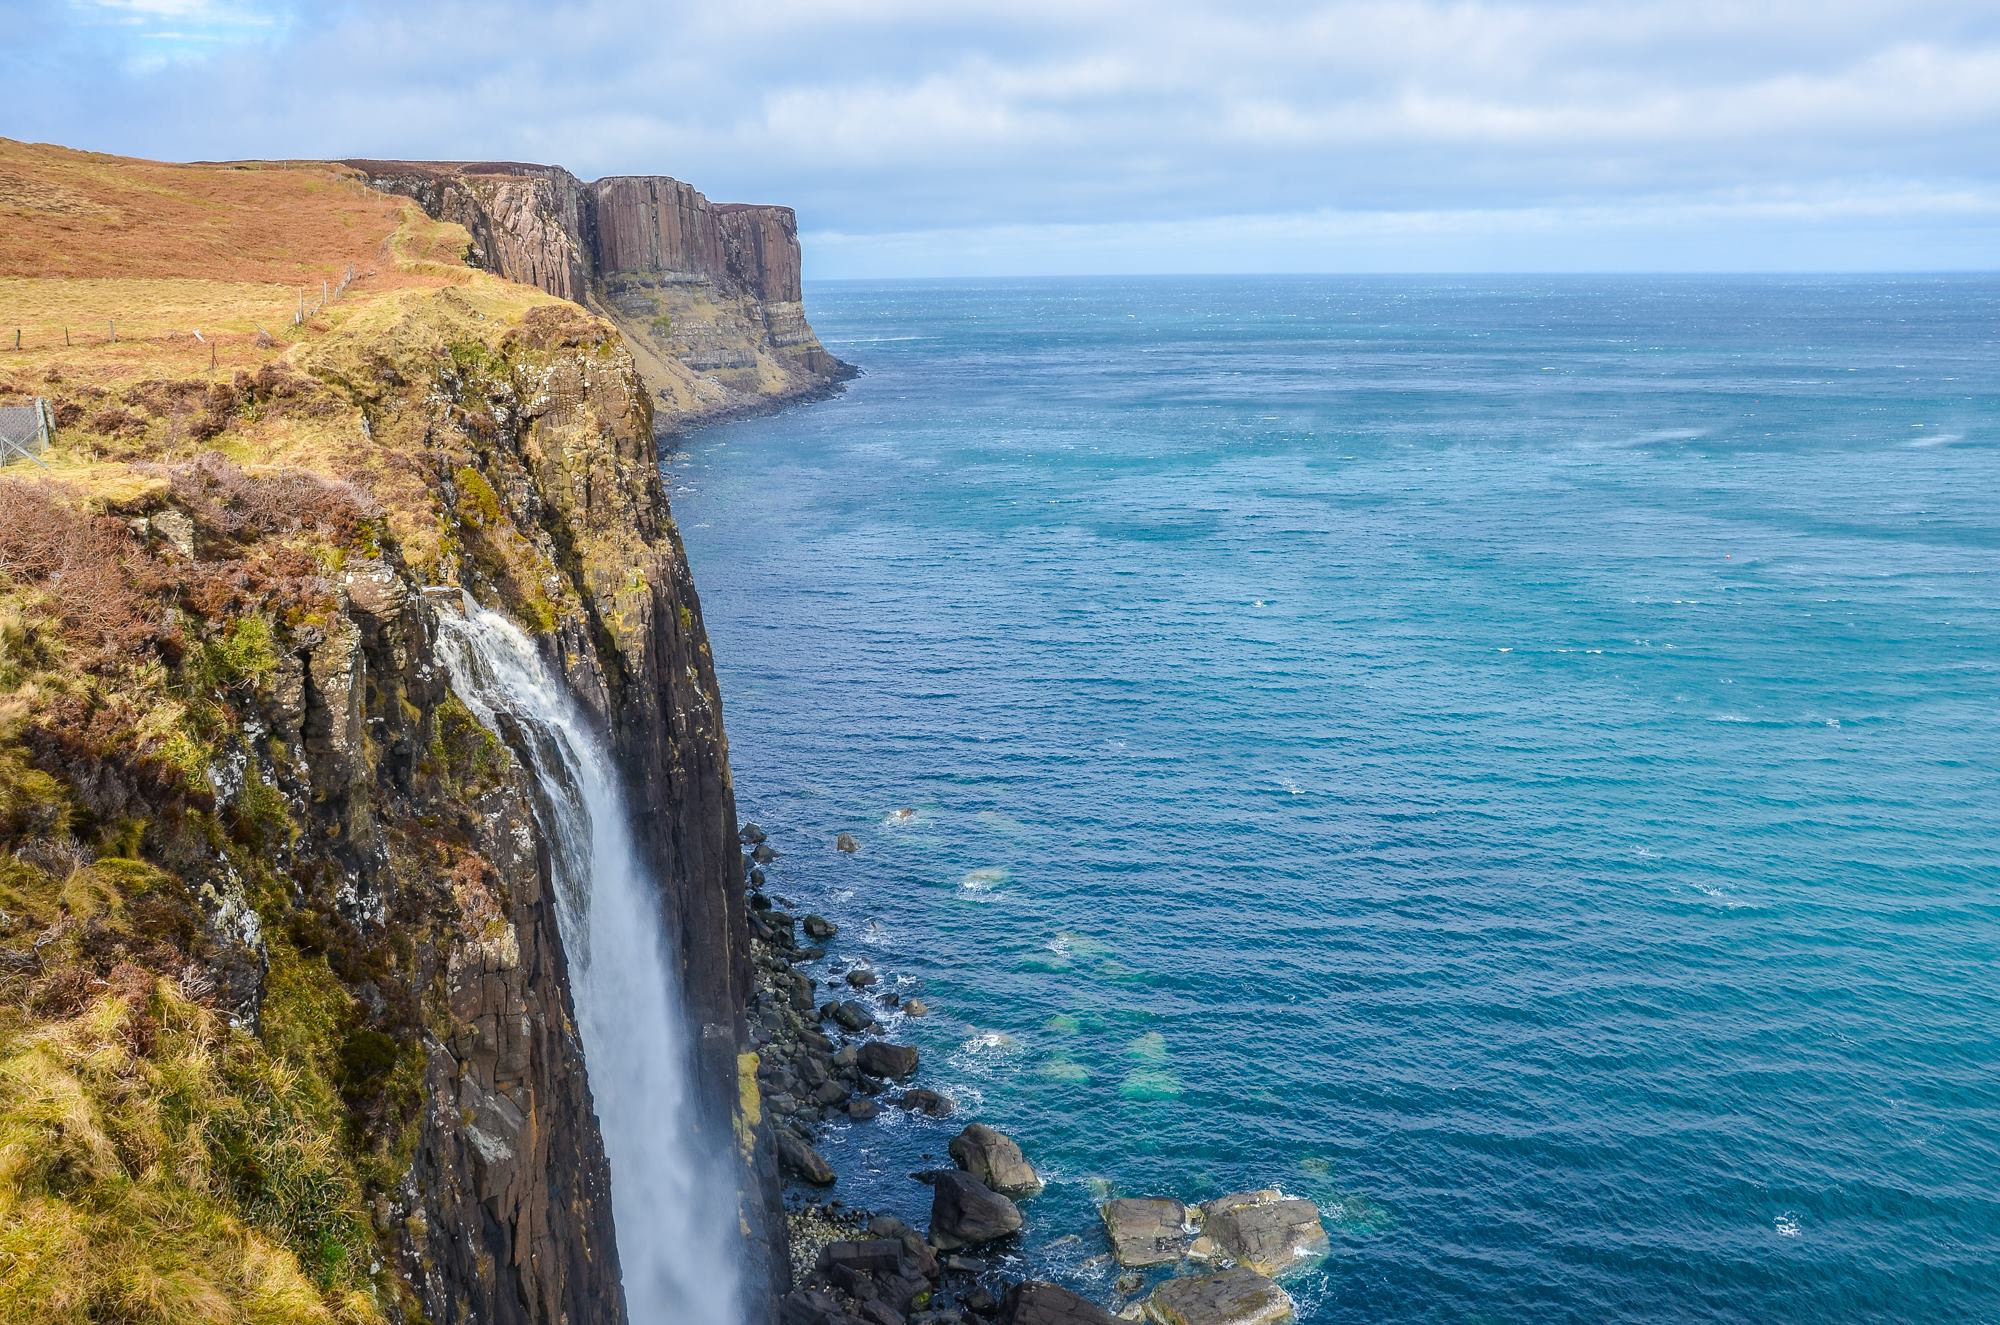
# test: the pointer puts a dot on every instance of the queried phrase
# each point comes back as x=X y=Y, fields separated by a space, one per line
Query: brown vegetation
x=87 y=215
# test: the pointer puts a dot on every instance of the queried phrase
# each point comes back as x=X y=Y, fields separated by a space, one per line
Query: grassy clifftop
x=262 y=890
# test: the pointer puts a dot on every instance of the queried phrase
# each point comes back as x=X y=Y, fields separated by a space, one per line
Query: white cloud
x=893 y=116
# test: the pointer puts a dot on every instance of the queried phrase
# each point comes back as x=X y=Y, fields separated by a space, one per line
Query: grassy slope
x=157 y=1164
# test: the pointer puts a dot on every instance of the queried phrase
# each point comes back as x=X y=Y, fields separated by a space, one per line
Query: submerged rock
x=1145 y=1230
x=845 y=842
x=965 y=1212
x=916 y=1007
x=1037 y=1303
x=803 y=1162
x=879 y=1058
x=1265 y=1230
x=993 y=1158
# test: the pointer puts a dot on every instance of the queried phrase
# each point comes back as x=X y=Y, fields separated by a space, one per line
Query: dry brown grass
x=86 y=215
x=81 y=562
x=110 y=266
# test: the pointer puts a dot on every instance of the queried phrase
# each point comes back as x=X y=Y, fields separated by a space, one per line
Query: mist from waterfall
x=675 y=1207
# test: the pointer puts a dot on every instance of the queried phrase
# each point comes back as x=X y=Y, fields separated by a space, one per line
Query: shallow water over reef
x=1517 y=761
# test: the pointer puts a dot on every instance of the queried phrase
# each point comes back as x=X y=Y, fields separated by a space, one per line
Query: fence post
x=65 y=337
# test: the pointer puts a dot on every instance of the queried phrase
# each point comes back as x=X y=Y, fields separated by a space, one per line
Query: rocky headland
x=708 y=295
x=286 y=1019
x=286 y=1031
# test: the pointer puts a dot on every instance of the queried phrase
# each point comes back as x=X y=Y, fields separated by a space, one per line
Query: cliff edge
x=707 y=295
x=285 y=1020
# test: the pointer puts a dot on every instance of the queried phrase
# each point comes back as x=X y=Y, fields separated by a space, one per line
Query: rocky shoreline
x=822 y=1055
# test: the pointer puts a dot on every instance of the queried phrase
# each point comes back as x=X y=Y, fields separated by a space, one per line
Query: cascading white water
x=675 y=1207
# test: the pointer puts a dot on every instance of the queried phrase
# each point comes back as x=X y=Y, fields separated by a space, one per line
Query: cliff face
x=708 y=296
x=276 y=926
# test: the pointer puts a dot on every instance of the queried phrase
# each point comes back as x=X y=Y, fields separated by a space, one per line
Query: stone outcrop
x=893 y=1061
x=1265 y=1230
x=993 y=1158
x=329 y=858
x=1146 y=1230
x=1233 y=1297
x=708 y=296
x=966 y=1212
x=1036 y=1303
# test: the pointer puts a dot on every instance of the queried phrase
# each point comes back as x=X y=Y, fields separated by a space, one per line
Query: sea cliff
x=708 y=295
x=285 y=1023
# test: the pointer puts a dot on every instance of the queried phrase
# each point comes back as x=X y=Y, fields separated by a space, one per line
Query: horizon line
x=1634 y=272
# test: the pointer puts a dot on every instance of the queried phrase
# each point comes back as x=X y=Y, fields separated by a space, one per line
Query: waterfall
x=675 y=1207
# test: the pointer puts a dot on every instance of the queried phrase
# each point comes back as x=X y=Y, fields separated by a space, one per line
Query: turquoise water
x=1516 y=761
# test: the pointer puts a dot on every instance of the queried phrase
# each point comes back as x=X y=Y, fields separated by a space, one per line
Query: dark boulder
x=879 y=1058
x=927 y=1102
x=845 y=842
x=921 y=1256
x=993 y=1158
x=811 y=1306
x=853 y=1016
x=751 y=834
x=1037 y=1303
x=819 y=929
x=892 y=1271
x=965 y=1212
x=803 y=1162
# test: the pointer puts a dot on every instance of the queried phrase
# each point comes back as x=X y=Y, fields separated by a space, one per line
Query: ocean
x=1515 y=760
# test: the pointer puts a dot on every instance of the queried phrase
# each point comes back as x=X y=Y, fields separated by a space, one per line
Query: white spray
x=675 y=1208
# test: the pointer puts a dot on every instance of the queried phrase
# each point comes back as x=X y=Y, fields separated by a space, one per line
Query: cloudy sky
x=942 y=137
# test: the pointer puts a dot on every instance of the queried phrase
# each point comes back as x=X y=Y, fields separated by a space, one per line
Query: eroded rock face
x=1233 y=1297
x=507 y=1141
x=707 y=295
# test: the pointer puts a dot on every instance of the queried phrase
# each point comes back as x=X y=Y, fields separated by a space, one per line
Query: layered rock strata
x=708 y=295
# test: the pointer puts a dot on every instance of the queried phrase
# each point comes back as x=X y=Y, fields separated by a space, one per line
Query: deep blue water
x=1517 y=761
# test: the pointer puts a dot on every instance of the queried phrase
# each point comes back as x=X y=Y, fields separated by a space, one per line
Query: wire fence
x=81 y=333
x=25 y=431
